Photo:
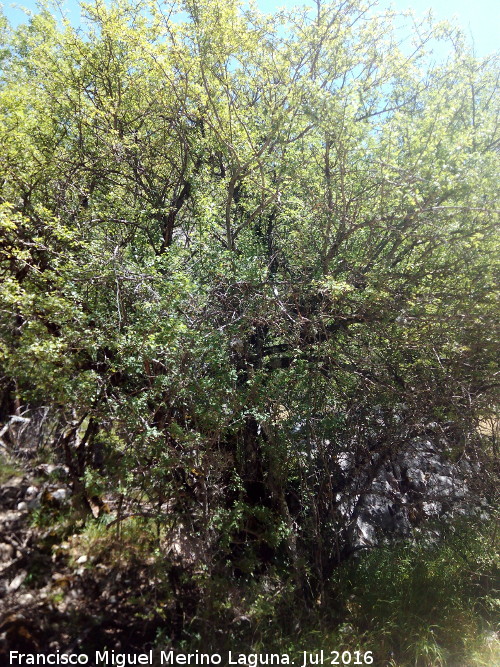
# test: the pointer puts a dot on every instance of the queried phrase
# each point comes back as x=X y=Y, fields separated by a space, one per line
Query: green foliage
x=423 y=592
x=8 y=470
x=121 y=545
x=235 y=248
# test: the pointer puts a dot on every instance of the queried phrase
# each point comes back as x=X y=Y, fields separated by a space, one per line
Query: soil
x=51 y=599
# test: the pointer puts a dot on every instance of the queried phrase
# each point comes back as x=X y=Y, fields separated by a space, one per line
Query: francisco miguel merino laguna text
x=172 y=658
x=166 y=658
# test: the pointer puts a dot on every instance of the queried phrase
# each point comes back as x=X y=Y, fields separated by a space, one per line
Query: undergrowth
x=426 y=603
x=8 y=470
x=429 y=602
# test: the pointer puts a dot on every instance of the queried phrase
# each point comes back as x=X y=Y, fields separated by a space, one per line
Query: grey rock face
x=414 y=485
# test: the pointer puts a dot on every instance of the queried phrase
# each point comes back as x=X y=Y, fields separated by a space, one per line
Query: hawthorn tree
x=236 y=247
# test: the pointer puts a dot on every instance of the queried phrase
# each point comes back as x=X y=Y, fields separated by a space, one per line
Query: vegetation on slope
x=238 y=250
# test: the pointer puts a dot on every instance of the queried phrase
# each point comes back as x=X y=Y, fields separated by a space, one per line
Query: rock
x=417 y=483
x=60 y=495
x=62 y=580
x=417 y=478
x=364 y=532
x=432 y=509
x=34 y=503
x=50 y=469
x=17 y=581
x=6 y=551
x=82 y=560
x=22 y=506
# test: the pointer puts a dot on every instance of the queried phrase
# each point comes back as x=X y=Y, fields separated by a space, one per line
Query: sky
x=479 y=18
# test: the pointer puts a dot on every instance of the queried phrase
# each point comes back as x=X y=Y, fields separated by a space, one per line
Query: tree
x=236 y=248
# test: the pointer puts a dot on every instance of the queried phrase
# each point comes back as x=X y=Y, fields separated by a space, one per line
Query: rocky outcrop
x=417 y=484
